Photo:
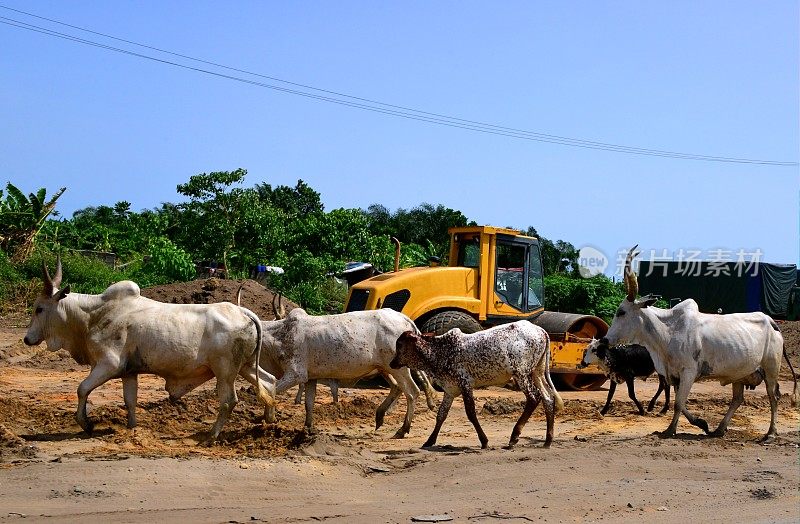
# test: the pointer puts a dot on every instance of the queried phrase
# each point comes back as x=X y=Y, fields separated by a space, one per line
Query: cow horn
x=59 y=275
x=48 y=282
x=279 y=309
x=631 y=282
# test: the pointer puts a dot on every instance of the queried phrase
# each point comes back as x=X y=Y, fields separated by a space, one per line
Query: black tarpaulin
x=730 y=287
x=777 y=282
x=725 y=286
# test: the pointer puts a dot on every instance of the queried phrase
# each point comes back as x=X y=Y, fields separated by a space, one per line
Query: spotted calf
x=459 y=363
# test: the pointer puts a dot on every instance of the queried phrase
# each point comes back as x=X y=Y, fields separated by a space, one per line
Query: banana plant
x=21 y=219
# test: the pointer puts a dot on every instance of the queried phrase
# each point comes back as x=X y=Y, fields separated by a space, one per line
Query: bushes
x=167 y=263
x=592 y=296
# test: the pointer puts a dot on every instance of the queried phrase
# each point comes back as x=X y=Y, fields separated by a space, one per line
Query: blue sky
x=711 y=78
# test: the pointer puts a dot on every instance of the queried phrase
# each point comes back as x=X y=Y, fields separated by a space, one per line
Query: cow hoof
x=484 y=445
x=767 y=439
x=702 y=424
x=546 y=445
x=428 y=444
x=717 y=433
x=87 y=427
x=666 y=433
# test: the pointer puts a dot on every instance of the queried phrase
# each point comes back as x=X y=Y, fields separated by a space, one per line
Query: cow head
x=409 y=350
x=594 y=353
x=628 y=323
x=47 y=316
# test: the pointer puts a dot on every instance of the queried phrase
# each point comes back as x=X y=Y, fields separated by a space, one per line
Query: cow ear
x=647 y=300
x=62 y=293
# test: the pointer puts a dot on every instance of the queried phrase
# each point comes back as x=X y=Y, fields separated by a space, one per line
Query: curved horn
x=48 y=282
x=57 y=278
x=239 y=294
x=631 y=282
x=279 y=309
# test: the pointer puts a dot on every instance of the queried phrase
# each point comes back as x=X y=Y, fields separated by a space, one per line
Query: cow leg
x=380 y=413
x=99 y=375
x=311 y=394
x=681 y=395
x=549 y=394
x=299 y=397
x=611 y=388
x=430 y=393
x=772 y=393
x=695 y=420
x=666 y=396
x=531 y=401
x=632 y=395
x=290 y=378
x=407 y=385
x=334 y=385
x=130 y=387
x=661 y=384
x=441 y=415
x=736 y=401
x=469 y=407
x=248 y=372
x=226 y=392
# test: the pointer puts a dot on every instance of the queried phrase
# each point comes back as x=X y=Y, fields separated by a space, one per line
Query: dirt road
x=599 y=468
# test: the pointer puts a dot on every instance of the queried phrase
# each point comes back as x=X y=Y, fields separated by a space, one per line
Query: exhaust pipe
x=396 y=254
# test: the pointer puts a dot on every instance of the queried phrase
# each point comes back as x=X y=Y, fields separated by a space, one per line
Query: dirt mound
x=255 y=297
x=13 y=447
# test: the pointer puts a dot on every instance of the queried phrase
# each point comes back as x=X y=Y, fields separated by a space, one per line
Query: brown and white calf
x=460 y=362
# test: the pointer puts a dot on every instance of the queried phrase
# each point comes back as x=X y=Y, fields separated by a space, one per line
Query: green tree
x=557 y=257
x=213 y=213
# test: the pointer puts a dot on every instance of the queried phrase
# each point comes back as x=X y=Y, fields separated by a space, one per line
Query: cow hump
x=121 y=290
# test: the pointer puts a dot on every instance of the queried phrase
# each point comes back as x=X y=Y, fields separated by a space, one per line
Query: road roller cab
x=494 y=276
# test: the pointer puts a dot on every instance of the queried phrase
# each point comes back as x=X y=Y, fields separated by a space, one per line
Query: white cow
x=303 y=348
x=121 y=334
x=279 y=311
x=460 y=362
x=686 y=345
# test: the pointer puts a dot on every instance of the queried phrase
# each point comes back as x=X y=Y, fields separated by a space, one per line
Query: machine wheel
x=441 y=323
x=579 y=381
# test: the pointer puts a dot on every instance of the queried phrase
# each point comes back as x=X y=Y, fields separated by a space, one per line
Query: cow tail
x=556 y=396
x=263 y=394
x=795 y=399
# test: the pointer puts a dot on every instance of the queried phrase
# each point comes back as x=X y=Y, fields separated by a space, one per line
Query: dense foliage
x=222 y=222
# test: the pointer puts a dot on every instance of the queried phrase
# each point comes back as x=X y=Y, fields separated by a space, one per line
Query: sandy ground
x=609 y=468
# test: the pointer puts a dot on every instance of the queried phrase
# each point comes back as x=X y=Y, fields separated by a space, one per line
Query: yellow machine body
x=493 y=277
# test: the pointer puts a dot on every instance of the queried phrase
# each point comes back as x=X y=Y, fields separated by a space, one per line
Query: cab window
x=509 y=277
x=535 y=278
x=469 y=252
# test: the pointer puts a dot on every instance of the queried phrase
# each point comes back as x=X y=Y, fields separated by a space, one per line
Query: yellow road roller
x=494 y=276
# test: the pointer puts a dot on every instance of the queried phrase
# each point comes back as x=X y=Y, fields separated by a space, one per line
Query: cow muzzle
x=395 y=363
x=30 y=342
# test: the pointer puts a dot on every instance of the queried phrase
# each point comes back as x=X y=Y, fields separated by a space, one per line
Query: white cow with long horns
x=740 y=349
x=121 y=334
